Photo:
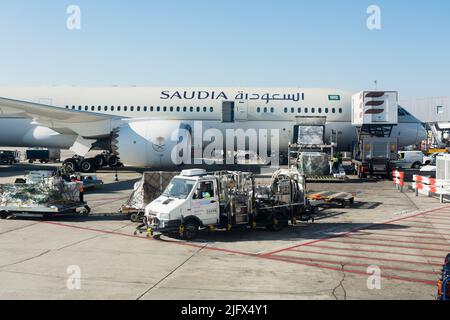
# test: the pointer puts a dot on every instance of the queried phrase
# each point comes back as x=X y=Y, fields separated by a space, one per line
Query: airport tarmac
x=405 y=237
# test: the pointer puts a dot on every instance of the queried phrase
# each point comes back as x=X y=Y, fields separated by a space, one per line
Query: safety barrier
x=430 y=186
x=399 y=180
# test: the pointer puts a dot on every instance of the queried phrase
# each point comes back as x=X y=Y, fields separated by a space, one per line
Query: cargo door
x=241 y=110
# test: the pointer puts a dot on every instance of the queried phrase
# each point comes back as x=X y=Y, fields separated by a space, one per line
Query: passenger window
x=205 y=109
x=106 y=108
x=340 y=110
x=327 y=110
x=211 y=109
x=184 y=109
x=152 y=109
x=306 y=110
x=165 y=109
x=258 y=110
x=299 y=110
x=272 y=110
x=138 y=109
x=191 y=109
x=292 y=110
x=118 y=108
x=178 y=109
x=145 y=109
x=285 y=110
x=125 y=108
x=112 y=108
x=198 y=109
x=313 y=110
x=158 y=109
x=320 y=110
x=171 y=109
x=333 y=110
x=131 y=109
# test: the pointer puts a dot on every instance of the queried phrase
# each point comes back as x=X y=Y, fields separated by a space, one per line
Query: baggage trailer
x=342 y=199
x=195 y=201
x=7 y=212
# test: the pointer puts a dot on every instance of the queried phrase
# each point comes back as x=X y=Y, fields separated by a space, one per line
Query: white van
x=410 y=159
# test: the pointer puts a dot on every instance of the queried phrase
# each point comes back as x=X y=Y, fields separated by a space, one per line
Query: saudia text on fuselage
x=240 y=96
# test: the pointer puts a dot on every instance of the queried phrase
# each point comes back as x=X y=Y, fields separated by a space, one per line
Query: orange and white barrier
x=430 y=186
x=399 y=179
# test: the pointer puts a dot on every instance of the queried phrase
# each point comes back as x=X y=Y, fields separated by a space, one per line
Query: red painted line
x=369 y=258
x=407 y=231
x=425 y=227
x=185 y=244
x=427 y=218
x=378 y=251
x=387 y=245
x=364 y=265
x=401 y=235
x=354 y=230
x=427 y=282
x=397 y=241
x=430 y=222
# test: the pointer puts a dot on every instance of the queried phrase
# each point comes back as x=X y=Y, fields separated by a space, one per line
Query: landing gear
x=89 y=165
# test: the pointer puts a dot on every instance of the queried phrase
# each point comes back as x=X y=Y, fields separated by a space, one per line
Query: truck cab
x=191 y=199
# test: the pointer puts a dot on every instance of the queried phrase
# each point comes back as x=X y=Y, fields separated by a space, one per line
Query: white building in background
x=435 y=113
x=429 y=110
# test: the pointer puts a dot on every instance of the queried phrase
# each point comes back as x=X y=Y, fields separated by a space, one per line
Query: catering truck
x=196 y=200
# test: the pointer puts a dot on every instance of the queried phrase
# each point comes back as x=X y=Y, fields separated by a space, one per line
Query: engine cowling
x=151 y=143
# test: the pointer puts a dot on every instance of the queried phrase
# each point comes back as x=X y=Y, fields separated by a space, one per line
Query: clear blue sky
x=228 y=43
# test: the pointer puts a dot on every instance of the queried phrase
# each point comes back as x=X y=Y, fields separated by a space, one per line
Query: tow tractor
x=196 y=201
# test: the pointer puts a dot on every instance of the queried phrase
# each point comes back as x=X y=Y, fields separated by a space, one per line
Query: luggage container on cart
x=43 y=195
x=374 y=115
x=195 y=201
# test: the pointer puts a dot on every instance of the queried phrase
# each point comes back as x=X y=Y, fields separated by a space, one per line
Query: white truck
x=195 y=201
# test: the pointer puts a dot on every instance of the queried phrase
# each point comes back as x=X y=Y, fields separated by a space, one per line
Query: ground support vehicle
x=43 y=155
x=195 y=201
x=342 y=199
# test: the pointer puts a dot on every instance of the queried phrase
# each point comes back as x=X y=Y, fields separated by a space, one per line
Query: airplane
x=136 y=124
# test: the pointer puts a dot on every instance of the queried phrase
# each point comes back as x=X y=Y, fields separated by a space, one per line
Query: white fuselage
x=254 y=108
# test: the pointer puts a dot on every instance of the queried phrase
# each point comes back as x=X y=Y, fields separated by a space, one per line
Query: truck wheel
x=72 y=164
x=4 y=215
x=134 y=217
x=276 y=225
x=416 y=165
x=190 y=231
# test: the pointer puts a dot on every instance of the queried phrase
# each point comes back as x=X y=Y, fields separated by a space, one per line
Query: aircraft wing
x=64 y=121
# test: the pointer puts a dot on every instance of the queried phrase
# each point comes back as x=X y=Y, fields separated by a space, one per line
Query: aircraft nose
x=422 y=133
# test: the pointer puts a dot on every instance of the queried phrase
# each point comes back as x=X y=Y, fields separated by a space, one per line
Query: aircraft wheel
x=72 y=164
x=113 y=162
x=101 y=161
x=88 y=165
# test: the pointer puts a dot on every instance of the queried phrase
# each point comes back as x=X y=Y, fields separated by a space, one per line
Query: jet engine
x=152 y=143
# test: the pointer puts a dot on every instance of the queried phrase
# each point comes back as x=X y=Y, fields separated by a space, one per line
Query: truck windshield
x=179 y=188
